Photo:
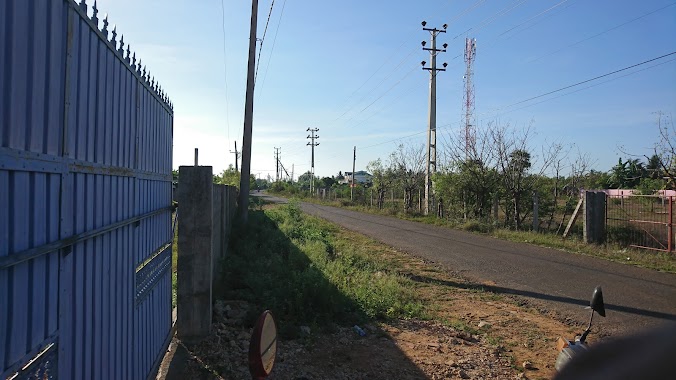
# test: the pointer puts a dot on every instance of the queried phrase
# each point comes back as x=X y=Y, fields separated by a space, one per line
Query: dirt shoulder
x=447 y=344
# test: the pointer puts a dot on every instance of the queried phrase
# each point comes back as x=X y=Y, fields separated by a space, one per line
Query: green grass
x=295 y=266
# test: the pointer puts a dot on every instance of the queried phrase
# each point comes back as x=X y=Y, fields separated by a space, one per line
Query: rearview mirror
x=263 y=346
x=597 y=302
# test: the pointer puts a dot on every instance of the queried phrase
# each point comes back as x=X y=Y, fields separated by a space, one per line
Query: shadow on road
x=540 y=296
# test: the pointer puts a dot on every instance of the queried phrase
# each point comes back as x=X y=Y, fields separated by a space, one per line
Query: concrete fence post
x=594 y=217
x=194 y=267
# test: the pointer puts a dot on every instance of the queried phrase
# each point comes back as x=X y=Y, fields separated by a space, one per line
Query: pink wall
x=621 y=192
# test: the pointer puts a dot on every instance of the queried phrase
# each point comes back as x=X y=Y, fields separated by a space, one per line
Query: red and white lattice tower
x=468 y=97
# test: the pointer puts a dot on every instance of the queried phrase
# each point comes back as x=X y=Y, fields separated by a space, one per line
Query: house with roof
x=360 y=177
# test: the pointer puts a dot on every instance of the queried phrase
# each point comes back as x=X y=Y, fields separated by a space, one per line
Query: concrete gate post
x=194 y=272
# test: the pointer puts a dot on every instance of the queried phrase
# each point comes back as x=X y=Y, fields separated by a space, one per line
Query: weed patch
x=294 y=265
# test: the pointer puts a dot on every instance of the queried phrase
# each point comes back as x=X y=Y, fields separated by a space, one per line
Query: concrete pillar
x=217 y=206
x=194 y=267
x=594 y=217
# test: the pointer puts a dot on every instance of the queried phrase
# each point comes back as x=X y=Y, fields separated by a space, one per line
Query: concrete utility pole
x=237 y=154
x=354 y=161
x=313 y=144
x=431 y=166
x=278 y=173
x=244 y=185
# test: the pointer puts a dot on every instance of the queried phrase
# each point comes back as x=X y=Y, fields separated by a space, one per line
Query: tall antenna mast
x=468 y=97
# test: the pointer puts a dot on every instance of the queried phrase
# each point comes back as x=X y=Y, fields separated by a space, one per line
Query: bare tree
x=469 y=176
x=408 y=165
x=665 y=148
x=383 y=179
x=515 y=164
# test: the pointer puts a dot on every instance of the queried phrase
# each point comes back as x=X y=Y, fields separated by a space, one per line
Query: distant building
x=361 y=177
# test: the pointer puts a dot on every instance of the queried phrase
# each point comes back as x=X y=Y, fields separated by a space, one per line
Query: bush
x=476 y=226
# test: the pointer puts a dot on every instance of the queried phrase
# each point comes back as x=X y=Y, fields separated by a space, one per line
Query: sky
x=352 y=69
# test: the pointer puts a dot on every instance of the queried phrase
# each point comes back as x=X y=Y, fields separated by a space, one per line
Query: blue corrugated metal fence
x=85 y=198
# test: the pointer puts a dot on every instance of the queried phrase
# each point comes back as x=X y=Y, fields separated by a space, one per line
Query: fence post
x=536 y=221
x=194 y=267
x=495 y=208
x=594 y=217
x=670 y=228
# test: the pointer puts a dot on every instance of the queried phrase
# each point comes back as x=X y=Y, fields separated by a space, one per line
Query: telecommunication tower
x=468 y=97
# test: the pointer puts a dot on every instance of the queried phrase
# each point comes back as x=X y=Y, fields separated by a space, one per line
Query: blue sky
x=326 y=51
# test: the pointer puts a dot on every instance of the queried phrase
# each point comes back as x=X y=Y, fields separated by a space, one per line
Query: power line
x=535 y=97
x=592 y=79
x=374 y=88
x=274 y=41
x=531 y=18
x=601 y=33
x=225 y=73
x=491 y=19
x=588 y=87
x=413 y=32
x=265 y=31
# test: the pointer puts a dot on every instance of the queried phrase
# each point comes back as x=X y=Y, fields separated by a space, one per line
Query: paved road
x=635 y=298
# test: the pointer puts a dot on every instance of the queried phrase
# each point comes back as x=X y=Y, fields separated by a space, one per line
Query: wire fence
x=641 y=221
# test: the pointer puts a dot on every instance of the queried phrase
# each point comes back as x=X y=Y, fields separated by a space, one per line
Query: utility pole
x=431 y=166
x=354 y=161
x=293 y=166
x=244 y=185
x=277 y=175
x=237 y=154
x=313 y=144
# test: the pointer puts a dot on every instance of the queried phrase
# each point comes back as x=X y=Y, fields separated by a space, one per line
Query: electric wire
x=588 y=87
x=531 y=18
x=601 y=33
x=490 y=19
x=446 y=126
x=591 y=79
x=274 y=41
x=260 y=48
x=225 y=72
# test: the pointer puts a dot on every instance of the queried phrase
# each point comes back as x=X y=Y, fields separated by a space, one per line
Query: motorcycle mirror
x=263 y=346
x=597 y=302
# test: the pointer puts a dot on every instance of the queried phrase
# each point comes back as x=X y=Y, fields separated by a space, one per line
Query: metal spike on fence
x=114 y=35
x=133 y=58
x=95 y=14
x=83 y=6
x=143 y=70
x=121 y=48
x=152 y=83
x=105 y=25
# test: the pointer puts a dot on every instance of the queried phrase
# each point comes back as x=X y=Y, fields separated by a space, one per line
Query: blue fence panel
x=85 y=189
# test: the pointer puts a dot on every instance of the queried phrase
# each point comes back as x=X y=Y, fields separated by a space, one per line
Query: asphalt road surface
x=549 y=279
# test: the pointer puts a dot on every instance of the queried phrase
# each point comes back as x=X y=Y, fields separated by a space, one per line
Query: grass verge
x=296 y=266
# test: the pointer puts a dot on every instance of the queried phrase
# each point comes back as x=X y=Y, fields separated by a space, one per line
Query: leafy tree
x=229 y=176
x=408 y=163
x=654 y=167
x=304 y=180
x=383 y=179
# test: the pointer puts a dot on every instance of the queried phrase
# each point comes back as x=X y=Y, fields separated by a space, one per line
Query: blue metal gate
x=85 y=199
